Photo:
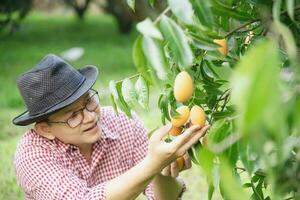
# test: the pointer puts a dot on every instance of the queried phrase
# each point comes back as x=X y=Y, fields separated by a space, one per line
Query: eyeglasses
x=92 y=103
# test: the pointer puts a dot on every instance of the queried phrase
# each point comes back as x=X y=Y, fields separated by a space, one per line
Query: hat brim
x=89 y=72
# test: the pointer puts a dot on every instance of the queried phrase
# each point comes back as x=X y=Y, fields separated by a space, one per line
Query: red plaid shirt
x=49 y=169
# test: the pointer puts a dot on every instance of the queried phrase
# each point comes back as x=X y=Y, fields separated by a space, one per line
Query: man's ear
x=44 y=130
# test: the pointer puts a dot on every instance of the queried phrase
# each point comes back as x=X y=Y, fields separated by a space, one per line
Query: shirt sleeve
x=43 y=178
x=140 y=151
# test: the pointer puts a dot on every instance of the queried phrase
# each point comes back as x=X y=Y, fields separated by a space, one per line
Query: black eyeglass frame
x=79 y=111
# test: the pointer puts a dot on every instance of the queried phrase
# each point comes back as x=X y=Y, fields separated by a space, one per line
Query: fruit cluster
x=183 y=91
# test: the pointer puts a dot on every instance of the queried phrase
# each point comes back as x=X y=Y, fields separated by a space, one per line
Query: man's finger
x=174 y=169
x=166 y=171
x=187 y=161
x=193 y=139
x=185 y=136
x=161 y=132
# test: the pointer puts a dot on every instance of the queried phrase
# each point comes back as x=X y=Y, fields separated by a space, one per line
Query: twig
x=131 y=77
x=242 y=26
x=163 y=13
x=259 y=173
x=218 y=101
x=241 y=168
x=227 y=98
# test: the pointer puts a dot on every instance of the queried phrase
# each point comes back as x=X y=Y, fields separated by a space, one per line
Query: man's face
x=88 y=132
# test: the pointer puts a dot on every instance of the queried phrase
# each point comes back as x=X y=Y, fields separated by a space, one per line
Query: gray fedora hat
x=50 y=86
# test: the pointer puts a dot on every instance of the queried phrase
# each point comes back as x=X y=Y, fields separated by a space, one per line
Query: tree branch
x=242 y=26
x=255 y=20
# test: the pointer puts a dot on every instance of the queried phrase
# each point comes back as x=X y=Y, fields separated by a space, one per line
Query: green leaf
x=203 y=12
x=246 y=158
x=247 y=185
x=288 y=38
x=128 y=92
x=276 y=10
x=112 y=99
x=183 y=10
x=139 y=59
x=194 y=152
x=230 y=186
x=227 y=11
x=205 y=31
x=222 y=114
x=203 y=42
x=211 y=68
x=255 y=178
x=255 y=92
x=147 y=28
x=131 y=4
x=290 y=8
x=164 y=107
x=258 y=190
x=219 y=130
x=224 y=71
x=214 y=55
x=115 y=89
x=142 y=91
x=224 y=22
x=123 y=105
x=153 y=50
x=177 y=41
x=211 y=190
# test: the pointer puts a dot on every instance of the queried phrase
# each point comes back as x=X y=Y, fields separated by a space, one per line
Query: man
x=78 y=150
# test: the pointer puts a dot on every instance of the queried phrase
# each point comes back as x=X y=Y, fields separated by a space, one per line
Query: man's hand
x=161 y=154
x=174 y=168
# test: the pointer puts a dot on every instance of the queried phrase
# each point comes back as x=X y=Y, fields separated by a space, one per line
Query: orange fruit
x=179 y=120
x=183 y=87
x=197 y=116
x=175 y=131
x=223 y=49
x=180 y=163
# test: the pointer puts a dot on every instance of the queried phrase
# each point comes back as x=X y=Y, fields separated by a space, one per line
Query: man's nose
x=88 y=115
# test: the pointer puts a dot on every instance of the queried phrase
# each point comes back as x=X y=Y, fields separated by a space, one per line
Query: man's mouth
x=90 y=128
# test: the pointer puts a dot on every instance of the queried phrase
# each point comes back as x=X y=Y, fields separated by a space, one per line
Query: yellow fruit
x=223 y=49
x=197 y=116
x=183 y=87
x=175 y=131
x=179 y=120
x=180 y=163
